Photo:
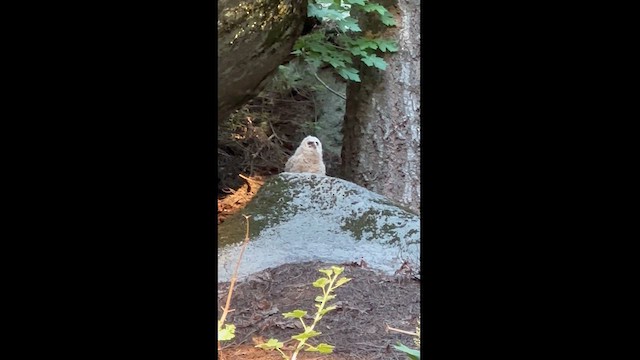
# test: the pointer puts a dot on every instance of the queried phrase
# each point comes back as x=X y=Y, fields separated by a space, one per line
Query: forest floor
x=235 y=200
x=357 y=327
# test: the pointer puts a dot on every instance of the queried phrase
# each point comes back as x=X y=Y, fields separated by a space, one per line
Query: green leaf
x=373 y=60
x=338 y=6
x=227 y=333
x=296 y=314
x=349 y=24
x=357 y=2
x=271 y=345
x=387 y=45
x=337 y=270
x=357 y=51
x=375 y=7
x=299 y=44
x=333 y=61
x=345 y=40
x=320 y=282
x=388 y=20
x=341 y=282
x=326 y=310
x=324 y=13
x=325 y=348
x=320 y=298
x=364 y=43
x=321 y=348
x=349 y=74
x=310 y=348
x=305 y=335
x=327 y=272
x=413 y=354
x=319 y=48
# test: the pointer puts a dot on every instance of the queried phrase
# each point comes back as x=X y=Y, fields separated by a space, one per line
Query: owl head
x=311 y=143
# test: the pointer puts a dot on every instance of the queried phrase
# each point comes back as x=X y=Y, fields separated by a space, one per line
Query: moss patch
x=388 y=202
x=368 y=223
x=268 y=208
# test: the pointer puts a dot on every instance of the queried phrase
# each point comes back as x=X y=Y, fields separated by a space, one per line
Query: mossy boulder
x=307 y=217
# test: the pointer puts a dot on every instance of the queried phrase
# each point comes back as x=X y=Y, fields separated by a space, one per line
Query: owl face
x=312 y=143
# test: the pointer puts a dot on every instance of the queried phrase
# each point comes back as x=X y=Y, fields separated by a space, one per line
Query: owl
x=307 y=158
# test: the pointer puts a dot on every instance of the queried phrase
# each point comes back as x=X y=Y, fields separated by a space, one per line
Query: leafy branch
x=341 y=39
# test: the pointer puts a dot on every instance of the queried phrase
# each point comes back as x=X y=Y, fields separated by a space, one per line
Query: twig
x=235 y=275
x=229 y=190
x=273 y=132
x=246 y=179
x=339 y=47
x=328 y=88
x=222 y=152
x=400 y=331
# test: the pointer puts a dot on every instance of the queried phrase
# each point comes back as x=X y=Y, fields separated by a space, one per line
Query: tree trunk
x=381 y=146
x=254 y=38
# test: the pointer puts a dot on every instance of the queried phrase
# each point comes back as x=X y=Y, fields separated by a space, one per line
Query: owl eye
x=310 y=143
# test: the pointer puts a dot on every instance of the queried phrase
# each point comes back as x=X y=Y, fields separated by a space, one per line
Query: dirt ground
x=236 y=200
x=357 y=327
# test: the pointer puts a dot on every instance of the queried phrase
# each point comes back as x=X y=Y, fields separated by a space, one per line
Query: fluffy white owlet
x=307 y=158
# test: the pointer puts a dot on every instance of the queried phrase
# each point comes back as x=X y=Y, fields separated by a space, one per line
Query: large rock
x=254 y=38
x=307 y=217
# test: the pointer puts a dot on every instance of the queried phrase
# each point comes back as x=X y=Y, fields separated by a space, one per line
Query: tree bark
x=381 y=146
x=254 y=38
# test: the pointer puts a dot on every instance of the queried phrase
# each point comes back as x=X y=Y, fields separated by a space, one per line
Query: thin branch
x=273 y=132
x=234 y=276
x=400 y=331
x=339 y=47
x=328 y=88
x=246 y=179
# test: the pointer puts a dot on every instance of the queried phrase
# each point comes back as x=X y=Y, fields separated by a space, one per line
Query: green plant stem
x=283 y=354
x=317 y=318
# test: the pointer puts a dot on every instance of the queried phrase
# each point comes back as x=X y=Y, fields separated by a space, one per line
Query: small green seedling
x=328 y=284
x=226 y=333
